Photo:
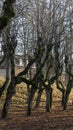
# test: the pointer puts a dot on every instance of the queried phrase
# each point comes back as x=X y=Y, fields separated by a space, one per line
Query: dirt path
x=57 y=119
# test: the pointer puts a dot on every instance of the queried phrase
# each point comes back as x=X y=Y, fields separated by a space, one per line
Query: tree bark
x=33 y=90
x=40 y=91
x=10 y=90
x=68 y=90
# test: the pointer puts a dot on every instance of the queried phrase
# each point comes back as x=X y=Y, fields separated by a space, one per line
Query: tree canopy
x=41 y=34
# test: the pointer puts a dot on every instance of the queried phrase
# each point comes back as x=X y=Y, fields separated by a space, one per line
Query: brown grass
x=57 y=119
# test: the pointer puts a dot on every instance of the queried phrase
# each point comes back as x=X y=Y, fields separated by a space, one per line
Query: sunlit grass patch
x=21 y=97
x=1 y=80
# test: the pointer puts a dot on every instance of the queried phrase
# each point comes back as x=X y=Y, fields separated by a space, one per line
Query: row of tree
x=42 y=32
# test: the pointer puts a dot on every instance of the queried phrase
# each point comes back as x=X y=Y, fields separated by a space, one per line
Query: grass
x=17 y=119
x=20 y=98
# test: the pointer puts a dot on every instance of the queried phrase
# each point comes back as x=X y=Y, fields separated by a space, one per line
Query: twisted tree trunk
x=11 y=88
x=68 y=90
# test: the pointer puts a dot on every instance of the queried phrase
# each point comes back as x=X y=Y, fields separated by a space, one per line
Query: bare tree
x=40 y=31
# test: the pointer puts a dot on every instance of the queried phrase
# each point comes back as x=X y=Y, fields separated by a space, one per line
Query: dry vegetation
x=57 y=119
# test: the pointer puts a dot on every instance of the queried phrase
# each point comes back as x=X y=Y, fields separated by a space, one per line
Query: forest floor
x=57 y=119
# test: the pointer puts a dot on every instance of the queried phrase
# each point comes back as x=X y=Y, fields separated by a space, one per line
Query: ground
x=17 y=118
x=57 y=119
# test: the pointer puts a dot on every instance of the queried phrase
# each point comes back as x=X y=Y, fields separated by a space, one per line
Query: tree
x=7 y=14
x=39 y=31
